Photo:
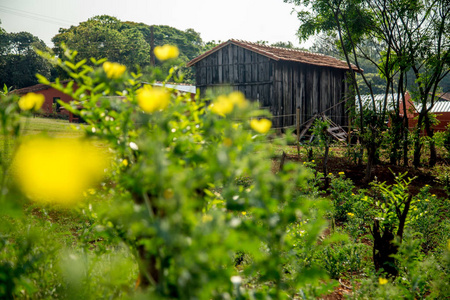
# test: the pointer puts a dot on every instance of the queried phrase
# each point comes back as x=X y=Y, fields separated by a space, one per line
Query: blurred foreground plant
x=177 y=159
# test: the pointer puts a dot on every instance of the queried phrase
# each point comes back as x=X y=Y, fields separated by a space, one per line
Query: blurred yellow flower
x=207 y=218
x=222 y=106
x=113 y=70
x=125 y=162
x=350 y=214
x=57 y=170
x=227 y=142
x=166 y=52
x=238 y=99
x=261 y=126
x=168 y=194
x=341 y=173
x=244 y=213
x=225 y=104
x=152 y=99
x=31 y=101
x=382 y=280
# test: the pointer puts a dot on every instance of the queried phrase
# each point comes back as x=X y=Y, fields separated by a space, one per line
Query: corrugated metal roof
x=379 y=102
x=439 y=106
x=286 y=54
x=187 y=88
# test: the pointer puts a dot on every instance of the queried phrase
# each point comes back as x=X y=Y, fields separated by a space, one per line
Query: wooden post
x=298 y=131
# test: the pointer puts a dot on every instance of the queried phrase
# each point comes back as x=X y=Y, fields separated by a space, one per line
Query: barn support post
x=297 y=118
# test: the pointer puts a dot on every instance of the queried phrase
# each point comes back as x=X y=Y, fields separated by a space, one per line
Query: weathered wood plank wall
x=314 y=89
x=279 y=86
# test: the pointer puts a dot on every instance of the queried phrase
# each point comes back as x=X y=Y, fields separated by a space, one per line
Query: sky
x=250 y=20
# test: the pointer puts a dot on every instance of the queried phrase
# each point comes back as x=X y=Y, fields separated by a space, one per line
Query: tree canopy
x=19 y=63
x=128 y=43
x=105 y=37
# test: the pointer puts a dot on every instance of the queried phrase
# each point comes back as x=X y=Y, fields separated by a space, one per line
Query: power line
x=35 y=16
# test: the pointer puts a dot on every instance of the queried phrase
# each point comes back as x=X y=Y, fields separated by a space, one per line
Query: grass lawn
x=52 y=127
x=67 y=243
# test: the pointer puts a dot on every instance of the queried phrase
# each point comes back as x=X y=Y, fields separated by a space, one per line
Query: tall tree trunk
x=384 y=245
x=396 y=130
x=371 y=153
x=405 y=133
x=430 y=134
x=325 y=162
x=417 y=143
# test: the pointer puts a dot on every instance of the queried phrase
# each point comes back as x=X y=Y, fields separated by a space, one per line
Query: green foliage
x=428 y=215
x=173 y=170
x=104 y=36
x=127 y=43
x=19 y=62
x=344 y=259
x=390 y=202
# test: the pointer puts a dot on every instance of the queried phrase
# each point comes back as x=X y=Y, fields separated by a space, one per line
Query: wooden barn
x=280 y=79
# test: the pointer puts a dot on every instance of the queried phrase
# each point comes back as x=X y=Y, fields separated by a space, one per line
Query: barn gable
x=279 y=79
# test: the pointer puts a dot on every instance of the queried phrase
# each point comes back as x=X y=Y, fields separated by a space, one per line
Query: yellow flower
x=207 y=218
x=152 y=99
x=222 y=106
x=113 y=70
x=225 y=104
x=227 y=142
x=166 y=52
x=433 y=195
x=261 y=126
x=313 y=160
x=57 y=170
x=350 y=214
x=341 y=173
x=427 y=200
x=382 y=280
x=168 y=194
x=125 y=162
x=244 y=213
x=238 y=99
x=31 y=101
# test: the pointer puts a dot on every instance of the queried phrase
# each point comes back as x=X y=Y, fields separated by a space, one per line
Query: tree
x=105 y=37
x=351 y=24
x=128 y=43
x=409 y=36
x=413 y=36
x=19 y=63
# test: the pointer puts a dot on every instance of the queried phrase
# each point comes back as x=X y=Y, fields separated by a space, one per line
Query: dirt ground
x=383 y=172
